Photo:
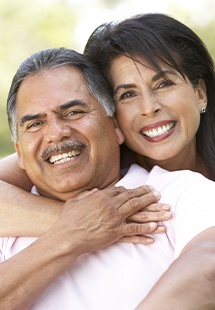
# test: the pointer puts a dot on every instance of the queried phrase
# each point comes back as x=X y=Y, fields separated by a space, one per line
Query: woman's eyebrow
x=162 y=73
x=124 y=86
x=156 y=77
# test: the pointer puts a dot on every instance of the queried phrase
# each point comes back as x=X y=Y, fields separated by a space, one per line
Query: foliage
x=28 y=26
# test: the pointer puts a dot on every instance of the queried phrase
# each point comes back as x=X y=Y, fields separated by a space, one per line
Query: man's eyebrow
x=71 y=104
x=65 y=106
x=124 y=86
x=30 y=117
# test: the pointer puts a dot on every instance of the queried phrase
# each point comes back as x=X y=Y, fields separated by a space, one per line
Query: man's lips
x=157 y=130
x=62 y=158
x=63 y=152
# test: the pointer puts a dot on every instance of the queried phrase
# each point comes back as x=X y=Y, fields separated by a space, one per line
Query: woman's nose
x=149 y=105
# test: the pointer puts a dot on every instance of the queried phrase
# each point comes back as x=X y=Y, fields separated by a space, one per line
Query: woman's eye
x=127 y=94
x=165 y=83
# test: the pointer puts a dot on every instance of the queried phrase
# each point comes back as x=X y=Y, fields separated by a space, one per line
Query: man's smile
x=62 y=158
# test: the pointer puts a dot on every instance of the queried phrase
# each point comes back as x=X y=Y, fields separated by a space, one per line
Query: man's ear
x=118 y=131
x=17 y=148
x=202 y=94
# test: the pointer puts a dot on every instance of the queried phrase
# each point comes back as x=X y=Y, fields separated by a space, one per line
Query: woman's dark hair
x=159 y=37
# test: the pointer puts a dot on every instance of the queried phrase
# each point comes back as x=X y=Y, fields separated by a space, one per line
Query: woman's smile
x=158 y=131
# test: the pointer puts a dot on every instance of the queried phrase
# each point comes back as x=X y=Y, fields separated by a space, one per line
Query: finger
x=115 y=190
x=132 y=229
x=159 y=230
x=146 y=240
x=147 y=216
x=139 y=191
x=157 y=207
x=127 y=194
x=142 y=239
x=86 y=193
x=135 y=204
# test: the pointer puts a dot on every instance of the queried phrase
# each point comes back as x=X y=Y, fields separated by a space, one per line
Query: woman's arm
x=10 y=172
x=18 y=208
x=27 y=274
x=189 y=283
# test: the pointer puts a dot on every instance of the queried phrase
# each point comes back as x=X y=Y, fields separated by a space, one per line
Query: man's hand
x=106 y=216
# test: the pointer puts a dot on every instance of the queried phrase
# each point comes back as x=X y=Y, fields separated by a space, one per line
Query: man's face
x=66 y=141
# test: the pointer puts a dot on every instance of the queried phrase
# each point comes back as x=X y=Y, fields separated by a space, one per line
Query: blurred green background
x=28 y=26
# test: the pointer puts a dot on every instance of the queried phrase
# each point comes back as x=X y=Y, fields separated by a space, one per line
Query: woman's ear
x=118 y=131
x=202 y=94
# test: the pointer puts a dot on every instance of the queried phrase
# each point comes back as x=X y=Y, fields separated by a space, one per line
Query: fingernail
x=151 y=187
x=161 y=228
x=166 y=207
x=167 y=214
x=157 y=194
x=152 y=225
x=149 y=240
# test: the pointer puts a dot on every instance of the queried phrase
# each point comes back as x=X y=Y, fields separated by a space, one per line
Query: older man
x=67 y=143
x=63 y=136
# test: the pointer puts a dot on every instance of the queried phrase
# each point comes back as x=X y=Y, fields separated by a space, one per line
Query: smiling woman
x=163 y=80
x=159 y=114
x=152 y=105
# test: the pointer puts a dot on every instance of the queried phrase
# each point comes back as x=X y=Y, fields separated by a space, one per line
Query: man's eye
x=34 y=125
x=73 y=113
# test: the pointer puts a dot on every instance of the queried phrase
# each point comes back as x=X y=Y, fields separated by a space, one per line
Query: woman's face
x=159 y=114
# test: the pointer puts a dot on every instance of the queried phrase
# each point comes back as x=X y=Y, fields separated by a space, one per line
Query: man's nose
x=56 y=130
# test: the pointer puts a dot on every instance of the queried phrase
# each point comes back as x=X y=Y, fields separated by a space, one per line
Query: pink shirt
x=120 y=276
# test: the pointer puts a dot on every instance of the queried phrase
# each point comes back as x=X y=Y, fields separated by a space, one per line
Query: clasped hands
x=98 y=218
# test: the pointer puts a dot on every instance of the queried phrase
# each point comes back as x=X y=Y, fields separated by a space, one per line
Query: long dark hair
x=159 y=37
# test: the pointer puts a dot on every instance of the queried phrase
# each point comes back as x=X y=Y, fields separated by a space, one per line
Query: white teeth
x=62 y=158
x=158 y=131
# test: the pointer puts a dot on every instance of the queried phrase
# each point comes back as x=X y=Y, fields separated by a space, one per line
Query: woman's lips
x=158 y=131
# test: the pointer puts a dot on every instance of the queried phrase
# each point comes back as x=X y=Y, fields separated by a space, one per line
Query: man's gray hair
x=53 y=58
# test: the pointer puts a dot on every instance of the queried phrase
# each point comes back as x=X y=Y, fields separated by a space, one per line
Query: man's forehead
x=59 y=82
x=66 y=73
x=54 y=90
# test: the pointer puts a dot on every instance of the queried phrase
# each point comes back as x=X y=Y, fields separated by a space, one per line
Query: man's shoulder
x=137 y=175
x=133 y=177
x=179 y=176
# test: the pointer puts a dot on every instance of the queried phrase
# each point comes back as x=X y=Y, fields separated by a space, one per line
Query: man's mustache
x=63 y=146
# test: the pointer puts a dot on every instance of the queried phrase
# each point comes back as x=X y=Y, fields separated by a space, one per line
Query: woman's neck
x=195 y=164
